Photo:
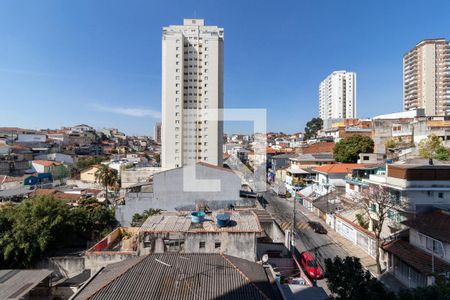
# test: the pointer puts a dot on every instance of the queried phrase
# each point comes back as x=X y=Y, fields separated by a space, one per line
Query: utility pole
x=293 y=230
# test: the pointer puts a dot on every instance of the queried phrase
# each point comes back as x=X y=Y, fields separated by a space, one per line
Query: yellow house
x=88 y=174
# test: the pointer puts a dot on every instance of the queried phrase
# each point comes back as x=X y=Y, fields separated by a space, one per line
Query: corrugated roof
x=181 y=276
x=240 y=221
x=14 y=284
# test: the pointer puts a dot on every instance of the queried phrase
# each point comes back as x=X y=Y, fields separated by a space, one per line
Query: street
x=306 y=239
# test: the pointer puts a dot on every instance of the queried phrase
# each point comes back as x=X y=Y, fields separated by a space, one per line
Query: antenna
x=195 y=14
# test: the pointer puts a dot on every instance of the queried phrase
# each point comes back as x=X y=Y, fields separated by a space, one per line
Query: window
x=440 y=195
x=217 y=245
x=202 y=245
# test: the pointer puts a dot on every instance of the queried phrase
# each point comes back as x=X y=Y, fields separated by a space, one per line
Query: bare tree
x=377 y=202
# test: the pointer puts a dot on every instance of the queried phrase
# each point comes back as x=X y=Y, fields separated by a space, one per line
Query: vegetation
x=41 y=226
x=107 y=177
x=139 y=219
x=347 y=280
x=288 y=195
x=440 y=291
x=433 y=147
x=348 y=149
x=158 y=158
x=312 y=128
x=377 y=203
x=362 y=221
x=89 y=161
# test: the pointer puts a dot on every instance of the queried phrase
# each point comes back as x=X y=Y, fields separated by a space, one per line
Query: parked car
x=317 y=227
x=311 y=265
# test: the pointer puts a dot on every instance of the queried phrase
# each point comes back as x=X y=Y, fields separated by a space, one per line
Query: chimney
x=430 y=161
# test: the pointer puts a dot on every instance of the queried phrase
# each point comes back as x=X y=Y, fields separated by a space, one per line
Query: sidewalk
x=367 y=261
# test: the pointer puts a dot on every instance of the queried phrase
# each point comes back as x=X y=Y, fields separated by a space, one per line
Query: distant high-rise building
x=157 y=133
x=192 y=82
x=337 y=96
x=426 y=77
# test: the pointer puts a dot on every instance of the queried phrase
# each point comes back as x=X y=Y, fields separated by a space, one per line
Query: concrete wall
x=172 y=185
x=96 y=260
x=64 y=266
x=138 y=175
x=84 y=184
x=239 y=244
x=170 y=193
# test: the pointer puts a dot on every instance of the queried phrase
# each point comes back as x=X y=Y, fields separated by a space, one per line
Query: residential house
x=426 y=253
x=81 y=128
x=418 y=187
x=176 y=232
x=57 y=169
x=332 y=176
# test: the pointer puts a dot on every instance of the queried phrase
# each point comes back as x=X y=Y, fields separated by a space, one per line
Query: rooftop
x=434 y=224
x=416 y=258
x=240 y=221
x=338 y=168
x=318 y=157
x=180 y=276
x=46 y=163
x=15 y=284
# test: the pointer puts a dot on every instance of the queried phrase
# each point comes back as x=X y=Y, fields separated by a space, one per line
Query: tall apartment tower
x=337 y=96
x=157 y=132
x=192 y=93
x=426 y=77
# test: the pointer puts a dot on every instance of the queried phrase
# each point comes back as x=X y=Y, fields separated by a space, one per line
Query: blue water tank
x=223 y=220
x=197 y=216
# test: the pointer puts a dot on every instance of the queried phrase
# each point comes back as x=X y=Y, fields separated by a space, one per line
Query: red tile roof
x=338 y=168
x=415 y=257
x=5 y=178
x=47 y=163
x=319 y=148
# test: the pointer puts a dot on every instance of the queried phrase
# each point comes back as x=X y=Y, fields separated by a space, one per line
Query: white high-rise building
x=337 y=96
x=192 y=90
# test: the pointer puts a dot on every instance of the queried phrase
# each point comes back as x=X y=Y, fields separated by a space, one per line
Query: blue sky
x=99 y=62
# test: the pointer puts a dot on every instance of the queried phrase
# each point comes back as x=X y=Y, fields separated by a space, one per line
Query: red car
x=310 y=265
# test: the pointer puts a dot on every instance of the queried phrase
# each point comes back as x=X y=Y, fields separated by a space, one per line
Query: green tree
x=107 y=177
x=433 y=147
x=347 y=280
x=439 y=291
x=348 y=149
x=89 y=161
x=139 y=219
x=312 y=127
x=36 y=227
x=40 y=226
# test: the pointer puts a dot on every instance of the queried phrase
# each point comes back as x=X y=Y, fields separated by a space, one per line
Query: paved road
x=306 y=238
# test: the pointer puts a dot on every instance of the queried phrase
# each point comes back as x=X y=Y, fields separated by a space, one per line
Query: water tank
x=223 y=220
x=197 y=216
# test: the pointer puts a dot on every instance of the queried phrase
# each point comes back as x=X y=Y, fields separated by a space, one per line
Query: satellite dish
x=265 y=258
